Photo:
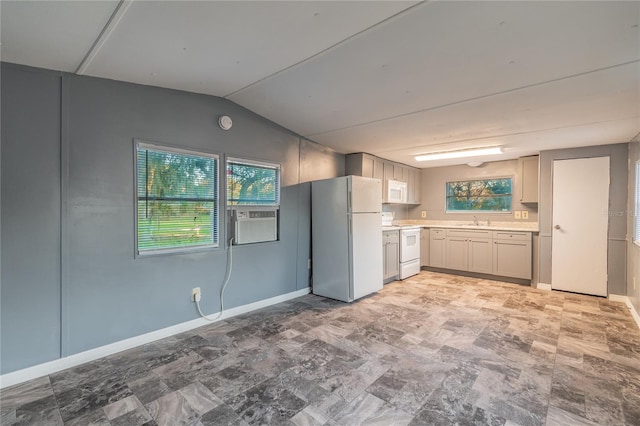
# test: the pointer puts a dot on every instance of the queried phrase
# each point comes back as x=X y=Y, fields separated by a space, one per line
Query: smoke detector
x=225 y=122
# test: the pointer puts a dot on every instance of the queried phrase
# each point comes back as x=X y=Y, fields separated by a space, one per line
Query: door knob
x=557 y=227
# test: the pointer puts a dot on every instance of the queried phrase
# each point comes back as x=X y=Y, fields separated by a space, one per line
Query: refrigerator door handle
x=349 y=201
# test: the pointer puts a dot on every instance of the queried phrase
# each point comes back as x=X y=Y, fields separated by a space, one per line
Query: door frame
x=553 y=224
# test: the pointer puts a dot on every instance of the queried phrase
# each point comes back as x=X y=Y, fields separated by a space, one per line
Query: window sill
x=171 y=251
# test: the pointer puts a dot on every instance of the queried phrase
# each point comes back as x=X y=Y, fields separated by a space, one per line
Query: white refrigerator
x=346 y=237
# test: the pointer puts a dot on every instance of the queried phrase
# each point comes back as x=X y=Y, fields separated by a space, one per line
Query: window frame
x=509 y=212
x=162 y=147
x=636 y=213
x=256 y=163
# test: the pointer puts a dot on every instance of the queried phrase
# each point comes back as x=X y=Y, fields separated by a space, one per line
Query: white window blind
x=636 y=213
x=177 y=199
x=251 y=183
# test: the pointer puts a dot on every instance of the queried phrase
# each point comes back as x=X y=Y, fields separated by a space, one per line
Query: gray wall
x=317 y=162
x=633 y=254
x=70 y=281
x=433 y=191
x=30 y=274
x=617 y=206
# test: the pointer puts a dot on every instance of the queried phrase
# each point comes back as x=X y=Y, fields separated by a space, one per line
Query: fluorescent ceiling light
x=460 y=154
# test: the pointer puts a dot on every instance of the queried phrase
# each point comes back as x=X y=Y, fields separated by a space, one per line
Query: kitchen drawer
x=468 y=233
x=509 y=235
x=437 y=234
x=390 y=237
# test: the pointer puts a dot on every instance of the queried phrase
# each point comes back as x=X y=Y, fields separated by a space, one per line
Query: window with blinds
x=176 y=199
x=251 y=183
x=636 y=213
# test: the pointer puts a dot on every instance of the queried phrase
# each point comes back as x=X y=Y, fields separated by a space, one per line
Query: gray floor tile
x=433 y=349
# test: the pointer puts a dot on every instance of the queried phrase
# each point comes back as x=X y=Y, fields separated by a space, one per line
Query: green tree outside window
x=176 y=199
x=485 y=195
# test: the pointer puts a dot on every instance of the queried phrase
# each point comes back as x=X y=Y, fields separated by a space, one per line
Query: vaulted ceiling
x=392 y=78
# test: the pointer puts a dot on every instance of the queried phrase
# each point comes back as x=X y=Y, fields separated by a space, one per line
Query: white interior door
x=580 y=225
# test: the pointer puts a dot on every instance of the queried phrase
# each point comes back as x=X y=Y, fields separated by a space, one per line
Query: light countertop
x=493 y=226
x=398 y=227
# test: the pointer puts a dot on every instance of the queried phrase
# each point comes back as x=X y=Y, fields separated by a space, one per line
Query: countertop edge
x=483 y=228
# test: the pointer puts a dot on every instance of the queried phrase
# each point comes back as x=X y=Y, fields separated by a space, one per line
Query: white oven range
x=409 y=252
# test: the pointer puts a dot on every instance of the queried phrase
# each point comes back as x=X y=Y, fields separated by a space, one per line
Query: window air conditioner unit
x=255 y=225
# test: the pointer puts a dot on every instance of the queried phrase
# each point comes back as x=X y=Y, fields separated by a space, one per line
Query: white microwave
x=396 y=192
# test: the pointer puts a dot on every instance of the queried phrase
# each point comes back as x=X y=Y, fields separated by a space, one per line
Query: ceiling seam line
x=325 y=50
x=111 y=24
x=529 y=86
x=508 y=134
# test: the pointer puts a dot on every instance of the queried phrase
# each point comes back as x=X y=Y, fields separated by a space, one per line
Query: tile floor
x=433 y=350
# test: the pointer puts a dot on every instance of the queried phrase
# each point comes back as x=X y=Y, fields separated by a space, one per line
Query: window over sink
x=492 y=195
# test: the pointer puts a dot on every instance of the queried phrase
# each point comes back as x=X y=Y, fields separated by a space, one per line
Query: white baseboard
x=626 y=301
x=543 y=286
x=634 y=313
x=60 y=364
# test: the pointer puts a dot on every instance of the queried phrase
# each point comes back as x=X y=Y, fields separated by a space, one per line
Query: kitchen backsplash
x=400 y=211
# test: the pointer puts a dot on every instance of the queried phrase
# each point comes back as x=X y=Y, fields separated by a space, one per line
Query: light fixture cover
x=475 y=152
x=225 y=122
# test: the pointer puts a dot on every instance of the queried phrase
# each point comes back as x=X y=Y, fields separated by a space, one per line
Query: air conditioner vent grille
x=255 y=226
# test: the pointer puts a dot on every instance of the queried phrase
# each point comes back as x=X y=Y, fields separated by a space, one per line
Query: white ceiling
x=391 y=78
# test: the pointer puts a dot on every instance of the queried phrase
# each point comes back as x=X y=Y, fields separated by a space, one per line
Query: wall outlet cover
x=196 y=294
x=517 y=214
x=423 y=214
x=525 y=214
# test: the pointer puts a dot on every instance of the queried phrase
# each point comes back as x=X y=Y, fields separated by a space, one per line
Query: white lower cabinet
x=390 y=255
x=437 y=240
x=469 y=250
x=424 y=247
x=512 y=254
x=456 y=254
x=501 y=253
x=480 y=255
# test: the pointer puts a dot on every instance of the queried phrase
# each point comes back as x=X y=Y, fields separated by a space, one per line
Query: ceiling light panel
x=446 y=52
x=610 y=132
x=51 y=34
x=475 y=152
x=604 y=96
x=218 y=47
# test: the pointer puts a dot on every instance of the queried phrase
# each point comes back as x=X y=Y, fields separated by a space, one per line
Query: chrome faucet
x=475 y=220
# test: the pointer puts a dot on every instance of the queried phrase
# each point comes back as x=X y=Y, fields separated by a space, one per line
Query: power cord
x=227 y=276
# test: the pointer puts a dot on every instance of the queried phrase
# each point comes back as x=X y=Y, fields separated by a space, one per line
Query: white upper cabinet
x=361 y=164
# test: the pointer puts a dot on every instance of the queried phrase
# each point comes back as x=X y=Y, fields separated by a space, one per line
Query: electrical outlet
x=517 y=214
x=196 y=294
x=525 y=214
x=423 y=214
